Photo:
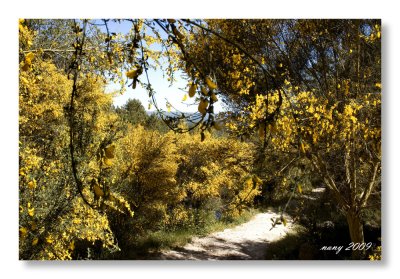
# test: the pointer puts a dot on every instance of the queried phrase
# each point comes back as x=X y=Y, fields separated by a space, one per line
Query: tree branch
x=372 y=183
x=330 y=183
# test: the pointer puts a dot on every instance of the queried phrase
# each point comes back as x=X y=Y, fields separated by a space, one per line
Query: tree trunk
x=356 y=233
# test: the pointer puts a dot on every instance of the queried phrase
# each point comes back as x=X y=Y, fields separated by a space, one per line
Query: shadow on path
x=249 y=241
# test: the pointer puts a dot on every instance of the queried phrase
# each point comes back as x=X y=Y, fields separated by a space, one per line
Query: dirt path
x=248 y=241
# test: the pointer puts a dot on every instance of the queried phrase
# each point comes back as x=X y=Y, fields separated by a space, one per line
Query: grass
x=288 y=247
x=148 y=245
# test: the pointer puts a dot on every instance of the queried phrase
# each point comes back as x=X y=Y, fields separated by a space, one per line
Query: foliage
x=52 y=217
x=147 y=245
x=133 y=112
x=377 y=254
x=177 y=182
x=303 y=96
x=309 y=88
x=217 y=168
x=145 y=174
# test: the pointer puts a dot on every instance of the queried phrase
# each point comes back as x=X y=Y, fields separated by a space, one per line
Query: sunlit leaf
x=204 y=91
x=192 y=90
x=214 y=97
x=210 y=83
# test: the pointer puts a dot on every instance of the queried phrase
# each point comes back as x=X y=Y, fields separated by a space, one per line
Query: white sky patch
x=164 y=93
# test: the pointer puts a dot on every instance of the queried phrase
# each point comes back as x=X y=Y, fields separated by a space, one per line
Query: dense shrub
x=177 y=181
x=52 y=215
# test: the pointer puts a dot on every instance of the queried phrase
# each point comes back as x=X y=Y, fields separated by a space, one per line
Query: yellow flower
x=299 y=188
x=49 y=239
x=302 y=148
x=72 y=245
x=236 y=58
x=21 y=172
x=31 y=212
x=35 y=241
x=28 y=61
x=23 y=231
x=29 y=57
x=132 y=74
x=32 y=184
x=24 y=80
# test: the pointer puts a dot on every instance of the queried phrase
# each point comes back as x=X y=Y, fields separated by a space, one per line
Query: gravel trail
x=248 y=241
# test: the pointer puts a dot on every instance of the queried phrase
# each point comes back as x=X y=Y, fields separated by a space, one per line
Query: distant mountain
x=172 y=114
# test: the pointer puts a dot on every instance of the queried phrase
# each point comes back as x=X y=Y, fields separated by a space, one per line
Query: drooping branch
x=75 y=69
x=330 y=183
x=152 y=92
x=243 y=50
x=350 y=175
x=55 y=50
x=371 y=185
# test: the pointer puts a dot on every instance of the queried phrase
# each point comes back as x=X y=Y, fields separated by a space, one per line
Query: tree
x=53 y=216
x=133 y=112
x=309 y=87
x=144 y=173
x=219 y=171
x=51 y=212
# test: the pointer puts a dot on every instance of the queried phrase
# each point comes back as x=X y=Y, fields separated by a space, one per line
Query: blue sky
x=164 y=92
